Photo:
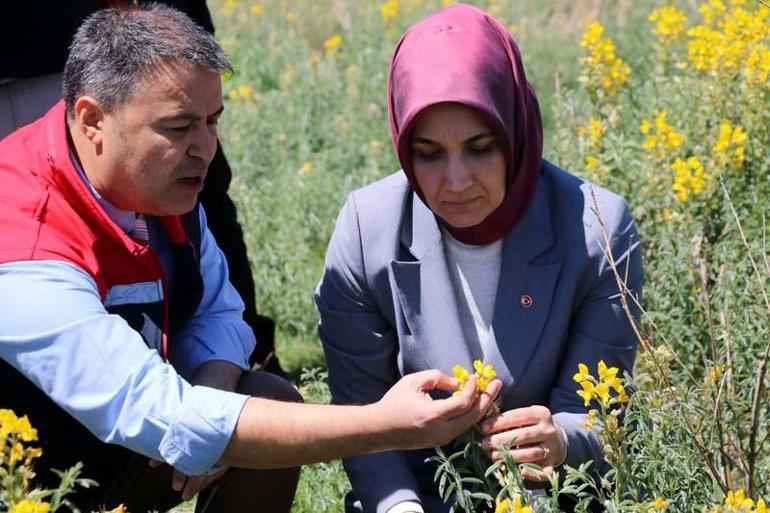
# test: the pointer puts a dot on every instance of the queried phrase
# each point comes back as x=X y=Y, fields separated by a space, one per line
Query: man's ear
x=89 y=119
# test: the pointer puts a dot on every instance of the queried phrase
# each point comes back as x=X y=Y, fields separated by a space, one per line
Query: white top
x=475 y=272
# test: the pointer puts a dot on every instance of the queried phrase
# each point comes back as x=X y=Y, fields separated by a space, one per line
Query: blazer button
x=526 y=300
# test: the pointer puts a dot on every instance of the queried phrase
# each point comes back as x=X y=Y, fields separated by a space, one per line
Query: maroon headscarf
x=461 y=54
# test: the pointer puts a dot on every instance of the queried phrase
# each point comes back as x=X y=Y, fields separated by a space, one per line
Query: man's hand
x=222 y=376
x=415 y=420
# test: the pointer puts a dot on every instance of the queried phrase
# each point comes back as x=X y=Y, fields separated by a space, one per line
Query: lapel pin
x=526 y=300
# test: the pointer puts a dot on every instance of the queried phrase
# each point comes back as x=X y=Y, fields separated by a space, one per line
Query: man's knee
x=268 y=386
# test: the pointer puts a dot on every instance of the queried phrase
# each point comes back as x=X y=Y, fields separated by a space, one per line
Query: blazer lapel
x=425 y=291
x=526 y=286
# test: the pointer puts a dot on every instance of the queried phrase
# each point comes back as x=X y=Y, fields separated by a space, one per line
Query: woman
x=478 y=249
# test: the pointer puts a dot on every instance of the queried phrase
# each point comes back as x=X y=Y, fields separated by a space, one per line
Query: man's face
x=157 y=146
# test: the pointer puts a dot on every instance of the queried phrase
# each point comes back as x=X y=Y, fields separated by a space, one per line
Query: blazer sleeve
x=361 y=350
x=600 y=328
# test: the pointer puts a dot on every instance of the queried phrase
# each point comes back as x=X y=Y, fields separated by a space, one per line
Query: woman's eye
x=427 y=155
x=481 y=150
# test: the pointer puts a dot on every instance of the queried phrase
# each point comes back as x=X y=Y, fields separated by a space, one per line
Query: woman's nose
x=457 y=176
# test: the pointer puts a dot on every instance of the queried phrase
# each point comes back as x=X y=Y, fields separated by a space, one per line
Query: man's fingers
x=457 y=405
x=434 y=379
x=178 y=481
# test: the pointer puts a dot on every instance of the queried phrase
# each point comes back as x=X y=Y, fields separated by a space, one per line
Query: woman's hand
x=533 y=435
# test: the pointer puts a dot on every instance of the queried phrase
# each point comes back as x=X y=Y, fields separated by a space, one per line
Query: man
x=31 y=83
x=120 y=334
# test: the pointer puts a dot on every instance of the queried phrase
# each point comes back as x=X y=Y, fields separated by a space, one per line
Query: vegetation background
x=666 y=103
x=656 y=107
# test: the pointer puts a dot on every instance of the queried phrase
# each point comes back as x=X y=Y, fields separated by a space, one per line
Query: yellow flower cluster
x=484 y=375
x=11 y=425
x=243 y=92
x=30 y=506
x=689 y=178
x=506 y=506
x=660 y=136
x=332 y=44
x=257 y=10
x=669 y=25
x=731 y=39
x=593 y=388
x=602 y=71
x=389 y=11
x=659 y=504
x=731 y=145
x=737 y=502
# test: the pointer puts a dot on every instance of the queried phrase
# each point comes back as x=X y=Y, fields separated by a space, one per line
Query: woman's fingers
x=515 y=418
x=520 y=436
x=535 y=453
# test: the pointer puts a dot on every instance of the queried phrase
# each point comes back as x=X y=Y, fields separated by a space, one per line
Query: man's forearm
x=273 y=434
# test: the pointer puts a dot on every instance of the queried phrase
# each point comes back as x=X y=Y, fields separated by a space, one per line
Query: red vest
x=47 y=212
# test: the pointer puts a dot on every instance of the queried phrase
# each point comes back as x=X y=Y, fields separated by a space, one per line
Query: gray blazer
x=388 y=308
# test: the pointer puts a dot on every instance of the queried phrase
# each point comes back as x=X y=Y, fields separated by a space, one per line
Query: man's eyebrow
x=188 y=116
x=472 y=139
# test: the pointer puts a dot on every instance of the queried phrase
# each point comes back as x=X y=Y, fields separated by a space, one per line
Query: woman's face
x=458 y=164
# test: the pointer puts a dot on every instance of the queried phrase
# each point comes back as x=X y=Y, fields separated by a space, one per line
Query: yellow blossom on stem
x=738 y=501
x=332 y=44
x=257 y=10
x=583 y=374
x=602 y=72
x=30 y=506
x=587 y=392
x=659 y=504
x=291 y=17
x=689 y=178
x=461 y=375
x=484 y=374
x=592 y=163
x=669 y=25
x=389 y=11
x=503 y=506
x=519 y=508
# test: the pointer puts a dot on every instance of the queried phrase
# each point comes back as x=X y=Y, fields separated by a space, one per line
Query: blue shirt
x=55 y=330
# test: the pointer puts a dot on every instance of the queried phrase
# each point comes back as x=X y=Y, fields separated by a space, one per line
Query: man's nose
x=204 y=143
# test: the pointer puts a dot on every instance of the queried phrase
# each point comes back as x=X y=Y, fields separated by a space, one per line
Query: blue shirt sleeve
x=54 y=329
x=217 y=331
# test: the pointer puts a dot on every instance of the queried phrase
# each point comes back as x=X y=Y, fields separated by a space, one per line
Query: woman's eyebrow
x=472 y=139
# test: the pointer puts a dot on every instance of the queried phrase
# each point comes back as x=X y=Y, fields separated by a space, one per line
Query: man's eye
x=179 y=129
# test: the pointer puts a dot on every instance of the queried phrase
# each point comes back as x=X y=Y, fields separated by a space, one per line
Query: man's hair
x=114 y=48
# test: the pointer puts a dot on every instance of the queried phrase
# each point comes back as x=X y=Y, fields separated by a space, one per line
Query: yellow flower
x=484 y=374
x=591 y=418
x=461 y=375
x=645 y=127
x=659 y=504
x=389 y=11
x=602 y=391
x=291 y=17
x=306 y=168
x=582 y=374
x=331 y=44
x=606 y=373
x=592 y=35
x=30 y=506
x=257 y=10
x=738 y=500
x=669 y=24
x=25 y=430
x=689 y=177
x=17 y=453
x=761 y=506
x=230 y=5
x=447 y=3
x=587 y=393
x=503 y=506
x=592 y=163
x=518 y=508
x=603 y=72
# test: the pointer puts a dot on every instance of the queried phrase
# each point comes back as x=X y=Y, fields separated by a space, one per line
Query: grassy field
x=666 y=103
x=306 y=123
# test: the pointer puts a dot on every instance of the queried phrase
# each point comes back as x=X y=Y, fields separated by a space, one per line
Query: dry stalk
x=762 y=365
x=624 y=293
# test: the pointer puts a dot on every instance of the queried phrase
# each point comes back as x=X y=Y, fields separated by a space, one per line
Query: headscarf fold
x=461 y=54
